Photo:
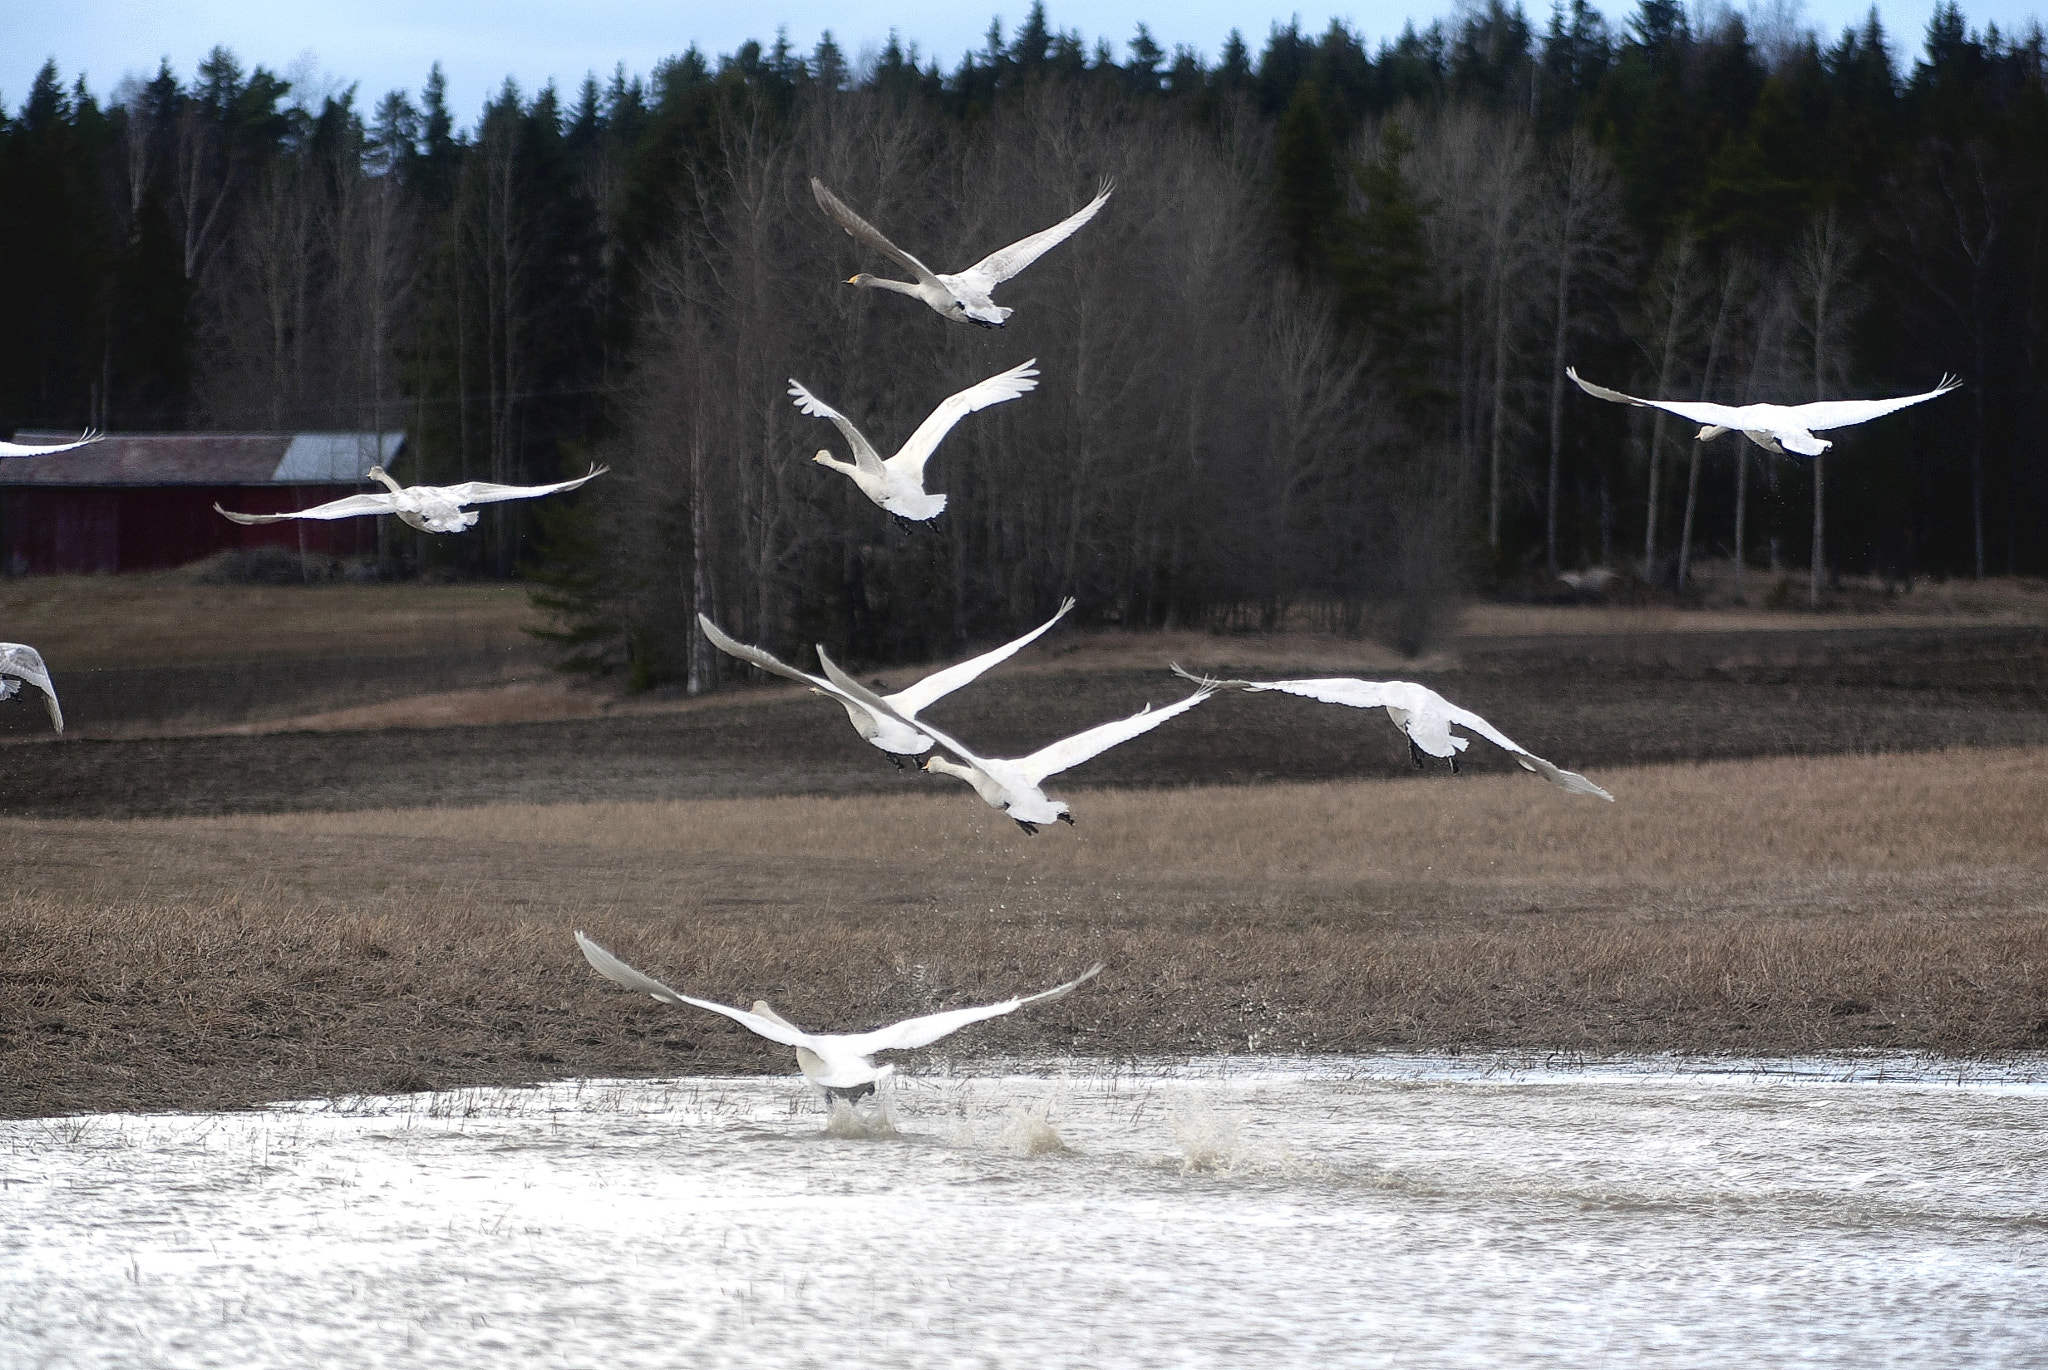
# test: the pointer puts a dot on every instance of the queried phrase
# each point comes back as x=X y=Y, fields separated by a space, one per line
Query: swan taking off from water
x=1011 y=785
x=32 y=449
x=1779 y=428
x=429 y=508
x=895 y=730
x=898 y=483
x=1420 y=712
x=964 y=297
x=19 y=662
x=837 y=1062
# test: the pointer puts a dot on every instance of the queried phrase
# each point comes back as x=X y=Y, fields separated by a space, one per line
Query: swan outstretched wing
x=1352 y=693
x=864 y=454
x=484 y=492
x=1526 y=759
x=612 y=968
x=1005 y=262
x=348 y=507
x=754 y=656
x=1825 y=414
x=44 y=449
x=922 y=1032
x=866 y=232
x=1070 y=752
x=1008 y=385
x=24 y=662
x=939 y=684
x=1698 y=411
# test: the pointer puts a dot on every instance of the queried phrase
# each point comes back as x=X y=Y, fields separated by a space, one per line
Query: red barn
x=144 y=501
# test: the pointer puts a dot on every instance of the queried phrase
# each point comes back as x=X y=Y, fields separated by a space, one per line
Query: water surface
x=1242 y=1213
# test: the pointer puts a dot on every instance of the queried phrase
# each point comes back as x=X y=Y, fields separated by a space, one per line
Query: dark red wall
x=90 y=531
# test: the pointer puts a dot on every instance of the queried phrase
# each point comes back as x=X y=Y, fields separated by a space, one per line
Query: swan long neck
x=879 y=283
x=378 y=473
x=948 y=767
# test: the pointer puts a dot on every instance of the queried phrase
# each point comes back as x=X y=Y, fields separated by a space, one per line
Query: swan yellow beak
x=853 y=280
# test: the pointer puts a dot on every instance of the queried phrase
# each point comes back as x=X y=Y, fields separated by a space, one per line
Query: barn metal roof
x=206 y=459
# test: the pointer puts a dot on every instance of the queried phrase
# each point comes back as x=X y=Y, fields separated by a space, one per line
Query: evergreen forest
x=1307 y=364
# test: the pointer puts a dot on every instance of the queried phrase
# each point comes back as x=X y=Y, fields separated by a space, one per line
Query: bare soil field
x=1782 y=906
x=1587 y=702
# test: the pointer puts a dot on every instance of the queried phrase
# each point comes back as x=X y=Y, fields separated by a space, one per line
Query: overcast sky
x=387 y=44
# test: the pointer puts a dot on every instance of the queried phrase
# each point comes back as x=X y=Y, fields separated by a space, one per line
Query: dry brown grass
x=81 y=622
x=1719 y=820
x=1765 y=907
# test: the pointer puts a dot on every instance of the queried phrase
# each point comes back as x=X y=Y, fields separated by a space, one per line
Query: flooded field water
x=1242 y=1213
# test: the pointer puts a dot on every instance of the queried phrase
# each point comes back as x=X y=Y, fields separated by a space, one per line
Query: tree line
x=1309 y=361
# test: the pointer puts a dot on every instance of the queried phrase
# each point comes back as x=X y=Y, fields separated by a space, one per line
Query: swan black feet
x=896 y=761
x=1067 y=819
x=852 y=1095
x=1415 y=755
x=1031 y=828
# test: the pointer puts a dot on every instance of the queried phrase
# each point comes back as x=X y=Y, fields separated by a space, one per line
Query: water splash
x=1208 y=1140
x=868 y=1120
x=1028 y=1129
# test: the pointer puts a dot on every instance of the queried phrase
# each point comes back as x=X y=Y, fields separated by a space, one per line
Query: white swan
x=28 y=449
x=838 y=1063
x=898 y=483
x=1011 y=784
x=1776 y=428
x=1420 y=712
x=963 y=297
x=19 y=662
x=429 y=508
x=896 y=731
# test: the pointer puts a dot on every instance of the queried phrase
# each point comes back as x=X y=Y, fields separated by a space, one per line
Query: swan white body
x=1779 y=428
x=896 y=731
x=839 y=1063
x=30 y=449
x=20 y=662
x=1420 y=712
x=429 y=508
x=897 y=484
x=964 y=297
x=1011 y=785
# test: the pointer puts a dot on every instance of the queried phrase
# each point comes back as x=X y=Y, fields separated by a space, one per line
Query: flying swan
x=19 y=662
x=895 y=730
x=429 y=508
x=1779 y=428
x=837 y=1062
x=964 y=297
x=24 y=449
x=898 y=483
x=1420 y=712
x=1011 y=785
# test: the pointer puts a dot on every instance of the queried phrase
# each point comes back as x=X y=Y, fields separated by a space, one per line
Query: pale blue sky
x=386 y=44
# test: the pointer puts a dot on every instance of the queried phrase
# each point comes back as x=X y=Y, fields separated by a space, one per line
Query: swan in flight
x=1779 y=428
x=429 y=508
x=895 y=731
x=963 y=297
x=837 y=1062
x=19 y=662
x=24 y=449
x=1420 y=712
x=1011 y=785
x=898 y=483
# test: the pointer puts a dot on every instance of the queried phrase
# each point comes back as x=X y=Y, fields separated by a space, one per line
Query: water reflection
x=1399 y=1213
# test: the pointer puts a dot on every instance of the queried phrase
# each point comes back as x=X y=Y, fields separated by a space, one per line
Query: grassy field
x=1775 y=906
x=164 y=619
